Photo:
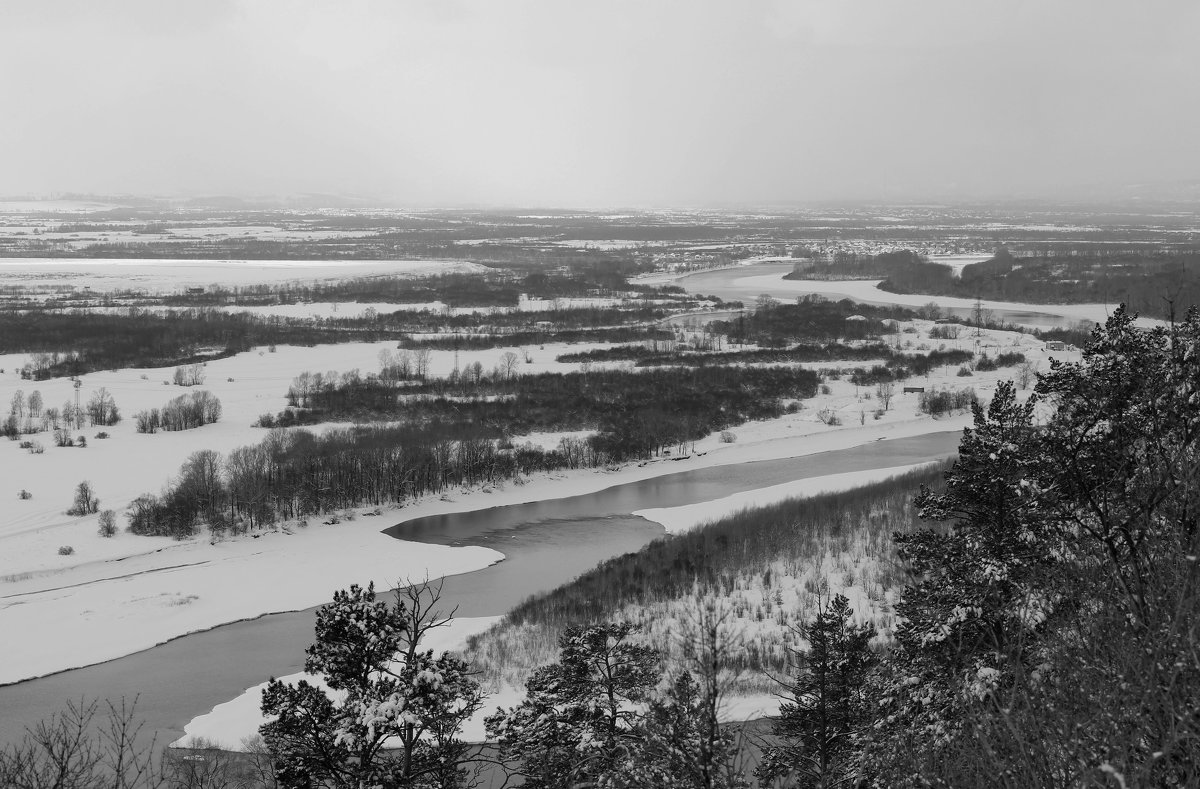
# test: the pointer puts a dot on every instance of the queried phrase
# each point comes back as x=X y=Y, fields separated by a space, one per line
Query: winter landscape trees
x=1047 y=635
x=385 y=687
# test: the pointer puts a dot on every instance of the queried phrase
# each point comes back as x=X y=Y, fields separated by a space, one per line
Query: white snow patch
x=684 y=518
x=229 y=724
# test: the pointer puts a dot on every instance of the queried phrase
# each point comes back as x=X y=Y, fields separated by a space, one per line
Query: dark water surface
x=546 y=544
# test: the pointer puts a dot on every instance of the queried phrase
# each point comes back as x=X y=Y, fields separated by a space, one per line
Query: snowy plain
x=168 y=276
x=755 y=276
x=127 y=593
x=230 y=724
x=36 y=582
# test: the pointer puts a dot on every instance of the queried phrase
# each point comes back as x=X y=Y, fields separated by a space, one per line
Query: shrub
x=108 y=523
x=102 y=434
x=938 y=402
x=727 y=437
x=81 y=442
x=829 y=416
x=65 y=550
x=24 y=494
x=965 y=372
x=1010 y=359
x=946 y=331
x=825 y=389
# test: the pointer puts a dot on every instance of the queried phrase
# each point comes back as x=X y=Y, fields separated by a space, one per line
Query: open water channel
x=545 y=544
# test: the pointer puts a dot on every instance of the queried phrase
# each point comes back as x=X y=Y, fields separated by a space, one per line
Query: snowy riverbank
x=127 y=593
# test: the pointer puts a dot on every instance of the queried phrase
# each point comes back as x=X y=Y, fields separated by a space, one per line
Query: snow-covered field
x=767 y=278
x=957 y=263
x=231 y=723
x=52 y=206
x=140 y=591
x=868 y=291
x=329 y=309
x=166 y=276
x=127 y=593
x=128 y=464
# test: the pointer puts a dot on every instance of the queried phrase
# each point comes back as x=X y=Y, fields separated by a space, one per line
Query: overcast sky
x=597 y=104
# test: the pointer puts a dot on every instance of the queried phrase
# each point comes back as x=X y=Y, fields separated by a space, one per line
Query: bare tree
x=86 y=502
x=508 y=364
x=1026 y=372
x=421 y=362
x=885 y=391
x=80 y=747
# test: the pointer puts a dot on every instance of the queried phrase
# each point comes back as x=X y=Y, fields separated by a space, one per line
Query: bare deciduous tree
x=885 y=391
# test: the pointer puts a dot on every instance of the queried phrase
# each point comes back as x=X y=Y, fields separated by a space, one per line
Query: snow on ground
x=868 y=291
x=688 y=516
x=128 y=464
x=228 y=725
x=190 y=585
x=333 y=309
x=796 y=434
x=52 y=206
x=768 y=279
x=165 y=276
x=231 y=724
x=110 y=610
x=957 y=263
x=611 y=243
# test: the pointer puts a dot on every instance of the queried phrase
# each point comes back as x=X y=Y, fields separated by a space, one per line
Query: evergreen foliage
x=1049 y=635
x=820 y=721
x=384 y=687
x=594 y=718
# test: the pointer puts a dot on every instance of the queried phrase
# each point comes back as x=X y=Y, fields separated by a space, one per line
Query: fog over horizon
x=566 y=104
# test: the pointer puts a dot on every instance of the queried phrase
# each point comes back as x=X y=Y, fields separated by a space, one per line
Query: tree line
x=462 y=436
x=1152 y=282
x=181 y=413
x=636 y=413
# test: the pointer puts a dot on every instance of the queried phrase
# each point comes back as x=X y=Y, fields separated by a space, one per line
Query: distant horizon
x=1179 y=192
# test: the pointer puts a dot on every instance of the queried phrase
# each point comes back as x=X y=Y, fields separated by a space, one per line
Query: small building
x=1055 y=345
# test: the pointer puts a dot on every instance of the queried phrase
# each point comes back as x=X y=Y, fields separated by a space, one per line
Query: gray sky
x=563 y=103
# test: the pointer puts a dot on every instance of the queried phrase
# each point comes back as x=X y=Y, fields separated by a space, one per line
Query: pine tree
x=826 y=709
x=970 y=618
x=384 y=686
x=681 y=749
x=580 y=718
x=1049 y=636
